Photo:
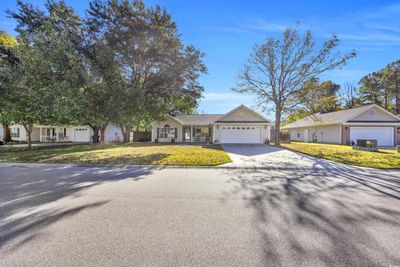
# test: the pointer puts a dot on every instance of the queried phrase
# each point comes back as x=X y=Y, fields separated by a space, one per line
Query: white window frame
x=166 y=132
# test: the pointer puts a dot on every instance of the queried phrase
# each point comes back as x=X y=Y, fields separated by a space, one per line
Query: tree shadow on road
x=330 y=214
x=29 y=193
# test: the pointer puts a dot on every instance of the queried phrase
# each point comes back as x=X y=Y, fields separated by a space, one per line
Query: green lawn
x=145 y=154
x=384 y=158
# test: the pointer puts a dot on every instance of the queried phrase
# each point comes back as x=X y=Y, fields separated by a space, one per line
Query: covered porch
x=196 y=134
x=51 y=134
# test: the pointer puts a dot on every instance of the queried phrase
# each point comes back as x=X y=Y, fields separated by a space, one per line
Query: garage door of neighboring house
x=241 y=135
x=384 y=135
x=82 y=135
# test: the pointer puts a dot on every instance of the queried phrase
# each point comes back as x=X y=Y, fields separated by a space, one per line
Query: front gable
x=169 y=120
x=242 y=114
x=375 y=114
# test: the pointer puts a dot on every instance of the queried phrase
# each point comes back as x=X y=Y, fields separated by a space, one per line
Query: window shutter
x=176 y=132
x=158 y=132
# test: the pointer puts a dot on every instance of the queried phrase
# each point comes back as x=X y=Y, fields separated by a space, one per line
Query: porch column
x=40 y=134
x=191 y=133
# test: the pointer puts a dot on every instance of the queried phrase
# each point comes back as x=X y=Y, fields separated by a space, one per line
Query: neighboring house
x=79 y=134
x=241 y=125
x=346 y=126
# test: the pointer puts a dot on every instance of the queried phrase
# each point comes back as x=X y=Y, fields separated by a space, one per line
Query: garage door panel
x=240 y=134
x=81 y=135
x=384 y=135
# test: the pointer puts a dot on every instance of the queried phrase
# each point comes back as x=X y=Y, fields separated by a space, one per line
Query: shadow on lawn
x=27 y=196
x=331 y=213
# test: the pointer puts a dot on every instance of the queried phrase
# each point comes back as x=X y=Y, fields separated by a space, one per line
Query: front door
x=186 y=134
x=48 y=134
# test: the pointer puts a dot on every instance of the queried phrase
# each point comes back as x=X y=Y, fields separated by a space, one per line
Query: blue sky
x=227 y=30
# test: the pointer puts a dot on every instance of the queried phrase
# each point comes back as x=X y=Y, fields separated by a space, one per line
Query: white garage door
x=82 y=135
x=240 y=135
x=384 y=135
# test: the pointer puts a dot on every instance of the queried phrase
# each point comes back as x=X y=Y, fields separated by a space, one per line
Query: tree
x=8 y=63
x=373 y=90
x=135 y=68
x=160 y=73
x=392 y=80
x=278 y=68
x=39 y=87
x=316 y=96
x=93 y=99
x=349 y=96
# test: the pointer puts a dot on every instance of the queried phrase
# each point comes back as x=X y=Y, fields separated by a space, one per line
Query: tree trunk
x=28 y=129
x=136 y=131
x=103 y=133
x=95 y=136
x=127 y=137
x=126 y=131
x=397 y=98
x=386 y=104
x=7 y=133
x=278 y=126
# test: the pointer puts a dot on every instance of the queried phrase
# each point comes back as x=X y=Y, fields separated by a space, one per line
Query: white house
x=79 y=134
x=347 y=126
x=241 y=125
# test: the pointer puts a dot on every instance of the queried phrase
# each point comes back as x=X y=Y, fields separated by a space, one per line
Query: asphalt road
x=326 y=215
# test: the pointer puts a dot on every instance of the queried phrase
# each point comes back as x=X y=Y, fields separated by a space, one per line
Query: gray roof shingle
x=198 y=119
x=330 y=118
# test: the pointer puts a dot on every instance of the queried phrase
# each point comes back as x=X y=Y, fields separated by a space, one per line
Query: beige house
x=241 y=125
x=347 y=126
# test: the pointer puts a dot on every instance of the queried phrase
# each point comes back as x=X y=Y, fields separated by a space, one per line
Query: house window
x=166 y=132
x=14 y=132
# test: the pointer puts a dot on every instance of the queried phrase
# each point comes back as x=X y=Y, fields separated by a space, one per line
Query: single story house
x=241 y=125
x=45 y=133
x=346 y=126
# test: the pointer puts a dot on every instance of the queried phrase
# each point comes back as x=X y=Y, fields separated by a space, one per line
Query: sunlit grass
x=141 y=154
x=384 y=158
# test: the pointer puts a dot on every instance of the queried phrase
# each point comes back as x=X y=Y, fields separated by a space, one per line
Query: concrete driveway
x=66 y=215
x=264 y=156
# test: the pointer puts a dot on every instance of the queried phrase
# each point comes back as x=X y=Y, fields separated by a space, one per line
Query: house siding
x=326 y=134
x=173 y=124
x=113 y=133
x=296 y=135
x=242 y=114
x=373 y=114
x=345 y=135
